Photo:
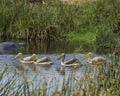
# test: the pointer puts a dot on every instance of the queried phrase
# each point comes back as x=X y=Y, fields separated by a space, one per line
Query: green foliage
x=25 y=20
x=106 y=15
x=54 y=20
x=30 y=20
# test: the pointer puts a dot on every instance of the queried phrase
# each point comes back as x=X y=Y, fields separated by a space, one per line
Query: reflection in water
x=50 y=77
x=49 y=47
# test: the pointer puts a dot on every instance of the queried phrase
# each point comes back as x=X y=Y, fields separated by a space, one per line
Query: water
x=6 y=59
x=36 y=73
x=50 y=47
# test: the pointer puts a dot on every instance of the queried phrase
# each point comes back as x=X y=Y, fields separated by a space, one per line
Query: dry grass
x=74 y=2
x=104 y=82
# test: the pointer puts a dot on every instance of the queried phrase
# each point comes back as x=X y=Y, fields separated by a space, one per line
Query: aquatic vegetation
x=95 y=22
x=104 y=81
x=107 y=33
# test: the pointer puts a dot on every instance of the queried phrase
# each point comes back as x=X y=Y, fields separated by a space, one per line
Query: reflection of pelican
x=43 y=61
x=26 y=60
x=7 y=47
x=61 y=70
x=95 y=60
x=70 y=62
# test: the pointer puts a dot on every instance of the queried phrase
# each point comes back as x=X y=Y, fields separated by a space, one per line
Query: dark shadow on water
x=49 y=47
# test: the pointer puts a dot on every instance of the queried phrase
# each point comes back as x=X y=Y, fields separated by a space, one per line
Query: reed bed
x=104 y=82
x=107 y=33
x=96 y=22
x=33 y=21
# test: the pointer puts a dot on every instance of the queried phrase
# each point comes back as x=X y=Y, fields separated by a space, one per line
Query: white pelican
x=69 y=62
x=26 y=60
x=95 y=60
x=43 y=61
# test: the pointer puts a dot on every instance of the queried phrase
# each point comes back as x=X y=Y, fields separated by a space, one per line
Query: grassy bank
x=102 y=26
x=25 y=20
x=90 y=21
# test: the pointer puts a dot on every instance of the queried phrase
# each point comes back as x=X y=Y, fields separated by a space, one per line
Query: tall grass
x=24 y=20
x=55 y=20
x=107 y=17
x=104 y=82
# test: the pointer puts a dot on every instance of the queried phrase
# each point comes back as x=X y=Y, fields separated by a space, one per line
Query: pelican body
x=26 y=60
x=33 y=60
x=69 y=62
x=95 y=60
x=43 y=61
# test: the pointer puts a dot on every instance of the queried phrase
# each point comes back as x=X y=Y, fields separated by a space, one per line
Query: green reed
x=95 y=22
x=25 y=20
x=106 y=15
x=105 y=81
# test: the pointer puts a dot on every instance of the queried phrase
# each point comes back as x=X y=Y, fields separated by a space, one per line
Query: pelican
x=69 y=62
x=95 y=60
x=43 y=61
x=26 y=60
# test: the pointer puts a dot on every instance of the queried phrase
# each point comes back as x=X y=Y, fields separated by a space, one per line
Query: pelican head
x=30 y=58
x=19 y=55
x=61 y=56
x=33 y=57
x=89 y=55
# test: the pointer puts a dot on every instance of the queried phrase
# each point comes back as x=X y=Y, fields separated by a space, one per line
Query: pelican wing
x=44 y=59
x=98 y=59
x=44 y=63
x=70 y=61
x=30 y=58
x=26 y=62
x=27 y=58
